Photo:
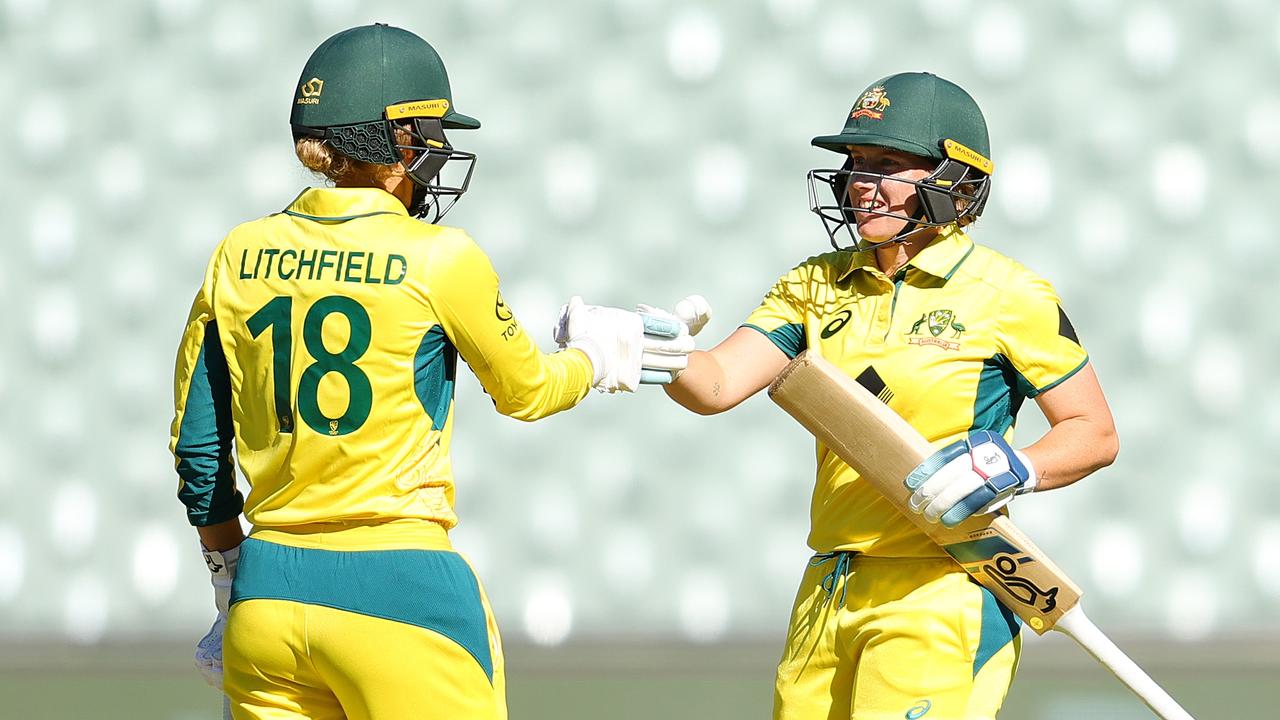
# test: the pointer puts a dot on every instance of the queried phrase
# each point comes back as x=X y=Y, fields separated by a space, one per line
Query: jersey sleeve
x=524 y=382
x=1038 y=338
x=202 y=435
x=780 y=316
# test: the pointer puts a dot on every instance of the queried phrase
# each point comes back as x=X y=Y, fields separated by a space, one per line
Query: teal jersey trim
x=205 y=439
x=435 y=368
x=1060 y=380
x=431 y=589
x=789 y=338
x=335 y=219
x=998 y=398
x=960 y=262
x=893 y=304
x=999 y=626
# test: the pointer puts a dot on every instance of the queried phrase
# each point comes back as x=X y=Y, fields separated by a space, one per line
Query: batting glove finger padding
x=695 y=311
x=612 y=338
x=209 y=653
x=979 y=474
x=669 y=338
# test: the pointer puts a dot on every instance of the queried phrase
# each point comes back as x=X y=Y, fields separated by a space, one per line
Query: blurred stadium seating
x=639 y=150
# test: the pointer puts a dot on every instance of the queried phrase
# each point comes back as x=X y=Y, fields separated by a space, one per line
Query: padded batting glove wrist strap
x=222 y=571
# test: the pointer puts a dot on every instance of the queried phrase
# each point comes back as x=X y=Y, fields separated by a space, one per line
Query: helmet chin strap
x=420 y=205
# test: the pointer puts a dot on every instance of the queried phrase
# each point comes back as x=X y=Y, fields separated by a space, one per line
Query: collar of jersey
x=940 y=258
x=342 y=204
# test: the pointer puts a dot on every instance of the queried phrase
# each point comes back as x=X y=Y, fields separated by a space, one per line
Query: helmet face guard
x=433 y=178
x=954 y=192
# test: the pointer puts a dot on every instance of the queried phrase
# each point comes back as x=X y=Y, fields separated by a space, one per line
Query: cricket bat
x=849 y=417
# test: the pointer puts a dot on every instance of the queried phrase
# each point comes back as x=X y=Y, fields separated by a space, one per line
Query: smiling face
x=880 y=184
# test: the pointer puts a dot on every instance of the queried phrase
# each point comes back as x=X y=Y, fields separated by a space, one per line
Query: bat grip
x=1077 y=626
x=226 y=708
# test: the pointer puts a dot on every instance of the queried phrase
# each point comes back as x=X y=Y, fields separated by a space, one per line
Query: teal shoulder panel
x=435 y=368
x=1001 y=390
x=999 y=626
x=789 y=338
x=432 y=589
x=205 y=439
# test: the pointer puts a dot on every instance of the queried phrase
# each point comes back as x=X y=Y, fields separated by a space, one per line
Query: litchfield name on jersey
x=334 y=265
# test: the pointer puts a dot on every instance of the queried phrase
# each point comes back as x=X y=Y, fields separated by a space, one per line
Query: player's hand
x=209 y=653
x=613 y=339
x=663 y=358
x=979 y=474
x=222 y=573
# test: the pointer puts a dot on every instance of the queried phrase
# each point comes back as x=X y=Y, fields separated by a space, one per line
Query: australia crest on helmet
x=872 y=104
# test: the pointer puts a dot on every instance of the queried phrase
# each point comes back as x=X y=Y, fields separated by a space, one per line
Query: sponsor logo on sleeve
x=500 y=309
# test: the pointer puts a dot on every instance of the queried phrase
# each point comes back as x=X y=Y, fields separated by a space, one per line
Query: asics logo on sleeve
x=919 y=710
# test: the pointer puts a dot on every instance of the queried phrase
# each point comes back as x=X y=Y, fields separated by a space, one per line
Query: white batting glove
x=664 y=359
x=976 y=475
x=611 y=338
x=222 y=571
x=209 y=653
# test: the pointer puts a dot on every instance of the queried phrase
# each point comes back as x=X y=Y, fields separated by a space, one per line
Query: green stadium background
x=642 y=559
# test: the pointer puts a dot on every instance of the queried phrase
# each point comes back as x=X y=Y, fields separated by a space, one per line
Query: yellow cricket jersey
x=954 y=342
x=324 y=340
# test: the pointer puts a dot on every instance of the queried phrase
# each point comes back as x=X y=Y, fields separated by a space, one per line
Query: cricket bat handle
x=1077 y=626
x=226 y=708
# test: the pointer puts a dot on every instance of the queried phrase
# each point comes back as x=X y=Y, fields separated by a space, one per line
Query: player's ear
x=406 y=159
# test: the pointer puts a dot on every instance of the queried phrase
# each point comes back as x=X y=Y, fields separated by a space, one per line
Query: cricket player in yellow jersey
x=321 y=353
x=885 y=625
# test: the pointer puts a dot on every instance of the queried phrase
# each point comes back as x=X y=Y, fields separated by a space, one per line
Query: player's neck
x=892 y=258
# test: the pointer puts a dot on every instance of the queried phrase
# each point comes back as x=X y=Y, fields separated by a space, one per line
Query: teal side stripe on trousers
x=432 y=589
x=999 y=625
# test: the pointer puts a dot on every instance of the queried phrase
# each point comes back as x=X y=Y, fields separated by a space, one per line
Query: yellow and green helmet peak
x=363 y=77
x=917 y=113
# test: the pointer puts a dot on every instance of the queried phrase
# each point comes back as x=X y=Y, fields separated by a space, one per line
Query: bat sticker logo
x=1004 y=570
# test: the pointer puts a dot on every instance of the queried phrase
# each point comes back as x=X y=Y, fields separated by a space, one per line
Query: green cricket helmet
x=920 y=114
x=363 y=83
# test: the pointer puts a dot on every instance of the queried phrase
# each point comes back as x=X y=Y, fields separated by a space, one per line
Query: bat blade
x=883 y=448
x=852 y=418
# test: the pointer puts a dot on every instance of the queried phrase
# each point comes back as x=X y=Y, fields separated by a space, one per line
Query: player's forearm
x=701 y=387
x=1072 y=449
x=221 y=536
